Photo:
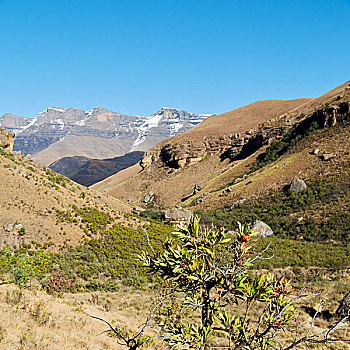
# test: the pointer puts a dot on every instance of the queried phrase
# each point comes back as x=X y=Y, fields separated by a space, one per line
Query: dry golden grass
x=172 y=186
x=28 y=196
x=31 y=319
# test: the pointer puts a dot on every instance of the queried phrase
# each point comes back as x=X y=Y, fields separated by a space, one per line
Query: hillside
x=208 y=157
x=99 y=133
x=87 y=171
x=29 y=197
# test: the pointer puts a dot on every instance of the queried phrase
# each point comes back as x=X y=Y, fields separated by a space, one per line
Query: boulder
x=197 y=188
x=148 y=198
x=344 y=307
x=328 y=156
x=7 y=138
x=238 y=202
x=13 y=227
x=177 y=215
x=262 y=229
x=137 y=210
x=297 y=185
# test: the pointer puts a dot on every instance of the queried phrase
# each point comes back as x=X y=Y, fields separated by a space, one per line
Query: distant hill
x=98 y=133
x=68 y=165
x=87 y=171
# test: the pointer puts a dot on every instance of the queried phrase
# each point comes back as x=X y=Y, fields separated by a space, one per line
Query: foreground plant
x=207 y=273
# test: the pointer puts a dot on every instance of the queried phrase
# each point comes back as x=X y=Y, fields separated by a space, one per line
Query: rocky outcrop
x=149 y=198
x=328 y=156
x=7 y=138
x=344 y=307
x=177 y=215
x=236 y=146
x=262 y=229
x=297 y=185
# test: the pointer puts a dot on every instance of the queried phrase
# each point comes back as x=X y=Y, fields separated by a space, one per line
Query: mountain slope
x=67 y=165
x=99 y=133
x=31 y=196
x=213 y=152
x=201 y=147
x=87 y=171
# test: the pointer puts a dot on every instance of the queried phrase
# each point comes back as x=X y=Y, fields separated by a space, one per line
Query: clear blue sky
x=134 y=56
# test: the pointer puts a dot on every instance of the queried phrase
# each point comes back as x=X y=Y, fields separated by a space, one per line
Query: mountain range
x=98 y=133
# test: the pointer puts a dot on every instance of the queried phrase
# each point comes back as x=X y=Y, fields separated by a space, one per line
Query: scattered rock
x=239 y=202
x=344 y=307
x=13 y=227
x=226 y=191
x=328 y=156
x=197 y=188
x=148 y=198
x=138 y=210
x=238 y=179
x=262 y=229
x=297 y=185
x=177 y=215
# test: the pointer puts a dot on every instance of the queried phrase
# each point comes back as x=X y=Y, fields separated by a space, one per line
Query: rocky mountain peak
x=112 y=133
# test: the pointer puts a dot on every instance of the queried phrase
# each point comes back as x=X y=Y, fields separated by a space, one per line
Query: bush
x=58 y=283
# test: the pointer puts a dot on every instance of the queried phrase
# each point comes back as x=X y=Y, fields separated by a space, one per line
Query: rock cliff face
x=6 y=138
x=236 y=146
x=99 y=133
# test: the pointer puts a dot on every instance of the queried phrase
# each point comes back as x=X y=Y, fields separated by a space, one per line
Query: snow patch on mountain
x=82 y=122
x=59 y=122
x=150 y=122
x=56 y=109
x=31 y=123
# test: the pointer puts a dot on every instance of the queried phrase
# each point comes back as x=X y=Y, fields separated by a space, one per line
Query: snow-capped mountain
x=98 y=133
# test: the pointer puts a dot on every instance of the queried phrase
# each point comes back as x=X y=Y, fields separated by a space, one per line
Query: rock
x=344 y=307
x=13 y=227
x=328 y=156
x=177 y=215
x=197 y=188
x=225 y=192
x=237 y=180
x=239 y=202
x=138 y=210
x=262 y=229
x=148 y=198
x=198 y=200
x=297 y=185
x=7 y=138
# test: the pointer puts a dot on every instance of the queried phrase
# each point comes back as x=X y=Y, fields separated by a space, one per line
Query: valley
x=228 y=168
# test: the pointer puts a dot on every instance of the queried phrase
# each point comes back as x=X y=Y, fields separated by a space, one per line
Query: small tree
x=206 y=269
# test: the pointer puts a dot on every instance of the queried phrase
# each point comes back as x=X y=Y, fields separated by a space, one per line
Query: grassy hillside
x=215 y=170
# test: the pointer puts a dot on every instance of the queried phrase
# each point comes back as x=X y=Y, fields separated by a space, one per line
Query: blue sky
x=134 y=56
